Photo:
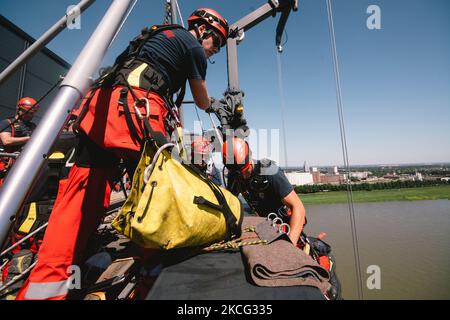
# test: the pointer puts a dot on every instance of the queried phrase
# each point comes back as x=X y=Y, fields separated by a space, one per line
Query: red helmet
x=201 y=146
x=212 y=19
x=27 y=105
x=236 y=155
x=200 y=149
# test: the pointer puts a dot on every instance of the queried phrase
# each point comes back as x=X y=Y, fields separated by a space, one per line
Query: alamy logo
x=73 y=17
x=374 y=20
x=74 y=281
x=374 y=280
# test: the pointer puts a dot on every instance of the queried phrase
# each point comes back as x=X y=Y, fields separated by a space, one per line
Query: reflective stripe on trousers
x=43 y=291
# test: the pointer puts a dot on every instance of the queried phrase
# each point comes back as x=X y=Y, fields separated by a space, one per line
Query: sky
x=395 y=80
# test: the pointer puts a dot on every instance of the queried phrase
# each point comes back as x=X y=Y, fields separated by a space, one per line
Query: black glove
x=215 y=105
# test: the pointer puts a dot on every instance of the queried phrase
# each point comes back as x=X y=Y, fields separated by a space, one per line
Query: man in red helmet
x=140 y=85
x=15 y=132
x=201 y=157
x=263 y=185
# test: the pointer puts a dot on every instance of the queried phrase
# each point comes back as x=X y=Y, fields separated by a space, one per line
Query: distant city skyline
x=395 y=81
x=373 y=165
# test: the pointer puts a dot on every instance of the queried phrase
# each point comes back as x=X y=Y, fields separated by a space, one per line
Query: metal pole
x=24 y=172
x=174 y=20
x=232 y=65
x=173 y=11
x=42 y=41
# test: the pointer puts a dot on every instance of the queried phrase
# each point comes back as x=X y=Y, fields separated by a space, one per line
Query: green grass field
x=412 y=194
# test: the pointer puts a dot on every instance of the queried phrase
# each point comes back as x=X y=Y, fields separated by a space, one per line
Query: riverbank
x=410 y=194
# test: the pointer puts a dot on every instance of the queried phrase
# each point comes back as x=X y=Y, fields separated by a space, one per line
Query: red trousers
x=84 y=197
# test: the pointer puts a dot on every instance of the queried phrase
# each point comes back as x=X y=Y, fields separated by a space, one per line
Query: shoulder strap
x=147 y=33
x=131 y=52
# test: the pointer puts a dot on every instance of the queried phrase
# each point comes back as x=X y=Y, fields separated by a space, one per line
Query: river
x=408 y=241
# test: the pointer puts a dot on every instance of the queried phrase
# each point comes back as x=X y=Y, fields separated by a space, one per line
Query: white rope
x=282 y=107
x=123 y=22
x=344 y=148
x=218 y=134
x=179 y=13
x=199 y=120
x=24 y=239
x=17 y=278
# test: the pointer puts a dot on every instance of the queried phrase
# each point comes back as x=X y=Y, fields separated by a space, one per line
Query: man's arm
x=200 y=93
x=9 y=141
x=297 y=221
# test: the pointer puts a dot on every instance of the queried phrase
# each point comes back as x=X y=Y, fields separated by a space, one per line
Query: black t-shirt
x=177 y=55
x=21 y=129
x=265 y=190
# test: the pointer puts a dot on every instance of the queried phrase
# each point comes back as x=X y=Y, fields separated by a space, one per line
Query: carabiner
x=274 y=222
x=148 y=170
x=271 y=215
x=147 y=108
x=288 y=228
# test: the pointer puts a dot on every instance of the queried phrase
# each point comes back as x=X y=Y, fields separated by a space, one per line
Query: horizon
x=375 y=165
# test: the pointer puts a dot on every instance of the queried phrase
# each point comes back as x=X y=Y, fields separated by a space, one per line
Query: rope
x=24 y=239
x=218 y=134
x=179 y=13
x=236 y=243
x=5 y=262
x=123 y=22
x=344 y=149
x=282 y=107
x=199 y=120
x=17 y=278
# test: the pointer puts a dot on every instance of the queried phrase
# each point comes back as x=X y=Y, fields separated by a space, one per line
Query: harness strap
x=180 y=97
x=7 y=162
x=149 y=134
x=84 y=110
x=123 y=101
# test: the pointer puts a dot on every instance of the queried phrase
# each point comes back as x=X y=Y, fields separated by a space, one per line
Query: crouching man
x=263 y=185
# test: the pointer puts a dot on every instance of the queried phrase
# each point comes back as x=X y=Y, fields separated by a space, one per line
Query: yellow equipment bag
x=172 y=205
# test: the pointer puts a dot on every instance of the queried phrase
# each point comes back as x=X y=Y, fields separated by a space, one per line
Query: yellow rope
x=235 y=243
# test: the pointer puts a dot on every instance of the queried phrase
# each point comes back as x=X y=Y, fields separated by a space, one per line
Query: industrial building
x=34 y=79
x=300 y=178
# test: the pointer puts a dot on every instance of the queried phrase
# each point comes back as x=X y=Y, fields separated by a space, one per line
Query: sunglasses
x=217 y=41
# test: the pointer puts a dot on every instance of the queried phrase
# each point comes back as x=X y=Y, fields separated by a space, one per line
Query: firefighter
x=16 y=132
x=201 y=149
x=155 y=66
x=263 y=185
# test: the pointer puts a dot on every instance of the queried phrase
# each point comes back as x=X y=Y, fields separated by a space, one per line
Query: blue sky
x=395 y=81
